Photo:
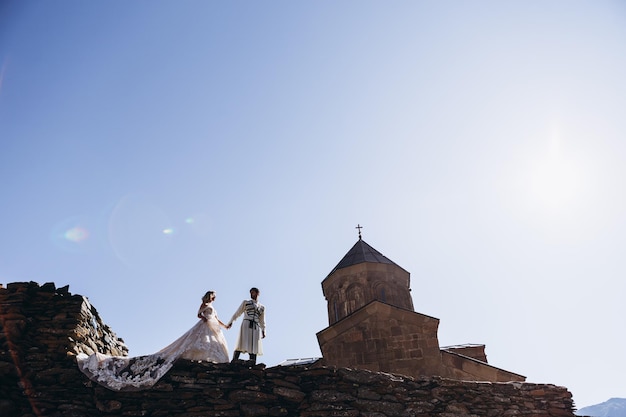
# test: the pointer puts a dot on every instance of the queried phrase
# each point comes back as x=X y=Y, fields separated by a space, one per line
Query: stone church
x=372 y=325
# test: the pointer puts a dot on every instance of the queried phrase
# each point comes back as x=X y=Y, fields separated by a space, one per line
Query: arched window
x=355 y=297
x=381 y=292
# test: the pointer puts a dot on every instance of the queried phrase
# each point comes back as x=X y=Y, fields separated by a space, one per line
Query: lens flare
x=138 y=230
x=199 y=224
x=76 y=234
x=72 y=234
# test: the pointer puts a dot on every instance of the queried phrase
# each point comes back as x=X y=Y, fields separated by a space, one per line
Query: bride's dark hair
x=207 y=297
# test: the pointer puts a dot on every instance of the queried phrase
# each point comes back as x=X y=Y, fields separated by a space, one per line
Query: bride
x=203 y=342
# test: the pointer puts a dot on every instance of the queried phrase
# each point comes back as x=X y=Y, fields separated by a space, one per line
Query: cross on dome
x=358 y=226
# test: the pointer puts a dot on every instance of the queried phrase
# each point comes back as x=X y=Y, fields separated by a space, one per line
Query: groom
x=253 y=327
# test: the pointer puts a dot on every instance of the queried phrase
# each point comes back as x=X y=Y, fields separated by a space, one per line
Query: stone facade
x=372 y=325
x=349 y=289
x=381 y=337
x=473 y=351
x=42 y=328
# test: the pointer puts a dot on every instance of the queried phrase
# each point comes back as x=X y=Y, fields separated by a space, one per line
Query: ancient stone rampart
x=43 y=327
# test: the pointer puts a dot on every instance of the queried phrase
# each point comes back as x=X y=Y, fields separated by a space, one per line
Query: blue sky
x=151 y=151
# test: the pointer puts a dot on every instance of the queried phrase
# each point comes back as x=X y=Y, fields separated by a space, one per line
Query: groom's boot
x=253 y=358
x=236 y=356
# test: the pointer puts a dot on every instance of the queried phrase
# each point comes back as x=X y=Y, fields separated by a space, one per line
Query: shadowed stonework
x=380 y=358
x=42 y=329
x=372 y=325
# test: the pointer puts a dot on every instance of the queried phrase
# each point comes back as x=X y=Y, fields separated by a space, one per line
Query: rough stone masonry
x=42 y=328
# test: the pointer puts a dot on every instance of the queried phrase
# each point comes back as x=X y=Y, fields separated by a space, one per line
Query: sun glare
x=554 y=186
x=553 y=182
x=554 y=178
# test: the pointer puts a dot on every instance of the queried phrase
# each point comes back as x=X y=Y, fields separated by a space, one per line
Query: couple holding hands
x=203 y=342
x=210 y=344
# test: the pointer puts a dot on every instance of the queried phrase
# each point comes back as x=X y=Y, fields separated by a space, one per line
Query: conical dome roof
x=359 y=253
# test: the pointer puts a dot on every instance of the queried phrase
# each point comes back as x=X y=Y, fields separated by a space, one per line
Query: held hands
x=229 y=325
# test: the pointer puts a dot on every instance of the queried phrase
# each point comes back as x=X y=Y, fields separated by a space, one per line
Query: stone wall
x=52 y=323
x=461 y=367
x=472 y=351
x=348 y=289
x=380 y=337
x=43 y=327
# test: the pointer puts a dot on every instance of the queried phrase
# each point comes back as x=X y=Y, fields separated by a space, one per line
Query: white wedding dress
x=203 y=342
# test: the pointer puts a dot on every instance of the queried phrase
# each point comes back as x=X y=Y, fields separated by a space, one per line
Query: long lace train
x=203 y=342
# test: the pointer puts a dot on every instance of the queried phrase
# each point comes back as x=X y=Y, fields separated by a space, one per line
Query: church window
x=355 y=297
